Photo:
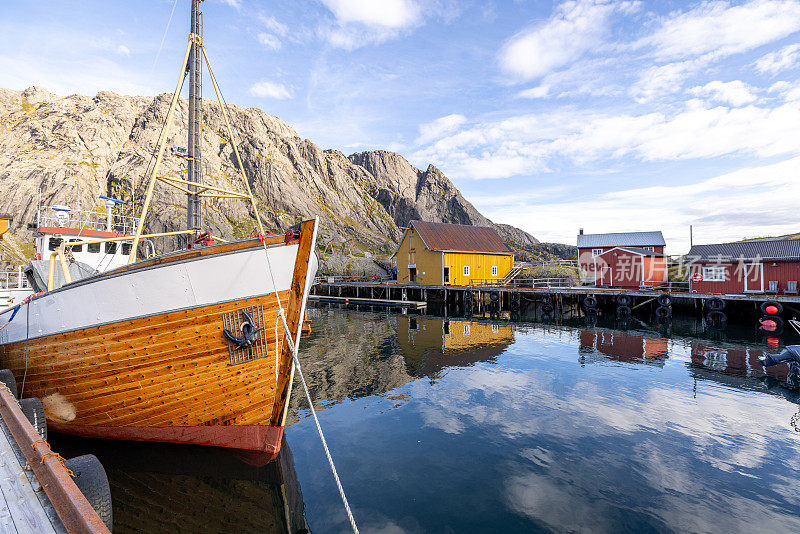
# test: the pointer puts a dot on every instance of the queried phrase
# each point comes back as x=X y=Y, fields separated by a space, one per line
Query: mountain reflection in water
x=456 y=425
x=473 y=425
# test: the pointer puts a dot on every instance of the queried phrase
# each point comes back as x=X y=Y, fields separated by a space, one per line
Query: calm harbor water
x=477 y=426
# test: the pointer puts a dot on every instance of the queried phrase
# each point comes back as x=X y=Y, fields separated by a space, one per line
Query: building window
x=649 y=249
x=466 y=270
x=494 y=270
x=713 y=274
x=596 y=252
x=111 y=247
x=466 y=329
x=126 y=249
x=76 y=248
x=54 y=243
x=93 y=247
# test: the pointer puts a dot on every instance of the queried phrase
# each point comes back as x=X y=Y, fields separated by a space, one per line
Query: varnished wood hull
x=170 y=376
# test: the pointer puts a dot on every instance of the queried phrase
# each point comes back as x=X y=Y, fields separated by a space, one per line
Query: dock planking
x=21 y=510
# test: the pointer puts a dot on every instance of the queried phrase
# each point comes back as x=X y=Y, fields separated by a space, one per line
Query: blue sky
x=611 y=116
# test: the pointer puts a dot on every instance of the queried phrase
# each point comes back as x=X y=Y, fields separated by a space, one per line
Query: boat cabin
x=758 y=266
x=450 y=254
x=59 y=223
x=622 y=259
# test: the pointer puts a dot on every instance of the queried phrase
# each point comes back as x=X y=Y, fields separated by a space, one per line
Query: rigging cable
x=294 y=346
x=296 y=362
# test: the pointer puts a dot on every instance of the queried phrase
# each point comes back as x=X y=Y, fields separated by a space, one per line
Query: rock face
x=68 y=150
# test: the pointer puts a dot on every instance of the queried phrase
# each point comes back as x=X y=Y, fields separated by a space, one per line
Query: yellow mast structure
x=193 y=189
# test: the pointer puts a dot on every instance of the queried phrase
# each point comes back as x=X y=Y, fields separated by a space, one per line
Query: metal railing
x=533 y=283
x=13 y=280
x=87 y=220
x=670 y=287
x=372 y=279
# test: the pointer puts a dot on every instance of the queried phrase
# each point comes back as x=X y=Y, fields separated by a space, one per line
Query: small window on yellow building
x=466 y=270
x=494 y=270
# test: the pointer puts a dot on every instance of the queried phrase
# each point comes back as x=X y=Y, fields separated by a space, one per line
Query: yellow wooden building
x=5 y=223
x=450 y=254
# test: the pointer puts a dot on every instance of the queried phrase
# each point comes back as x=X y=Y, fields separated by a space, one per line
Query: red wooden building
x=758 y=266
x=626 y=259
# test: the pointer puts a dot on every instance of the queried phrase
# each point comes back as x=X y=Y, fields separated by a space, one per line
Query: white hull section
x=159 y=289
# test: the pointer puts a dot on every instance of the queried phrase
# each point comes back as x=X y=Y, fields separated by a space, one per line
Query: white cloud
x=386 y=13
x=266 y=89
x=233 y=3
x=574 y=28
x=753 y=201
x=540 y=91
x=272 y=25
x=123 y=50
x=269 y=40
x=735 y=93
x=440 y=127
x=529 y=143
x=722 y=29
x=785 y=58
x=664 y=79
x=363 y=22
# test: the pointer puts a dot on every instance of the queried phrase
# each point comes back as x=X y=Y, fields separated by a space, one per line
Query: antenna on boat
x=193 y=186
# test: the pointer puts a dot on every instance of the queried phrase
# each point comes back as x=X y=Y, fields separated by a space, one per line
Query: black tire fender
x=547 y=308
x=494 y=296
x=664 y=312
x=547 y=300
x=624 y=300
x=590 y=302
x=623 y=311
x=7 y=378
x=91 y=479
x=767 y=304
x=665 y=299
x=34 y=411
x=716 y=304
x=716 y=315
x=515 y=297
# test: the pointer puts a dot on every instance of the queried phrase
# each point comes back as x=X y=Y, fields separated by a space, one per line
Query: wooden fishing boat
x=195 y=346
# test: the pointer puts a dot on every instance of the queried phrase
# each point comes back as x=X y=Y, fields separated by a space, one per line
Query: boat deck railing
x=88 y=220
x=13 y=280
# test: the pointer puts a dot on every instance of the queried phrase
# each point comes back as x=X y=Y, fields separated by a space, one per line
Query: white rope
x=325 y=446
x=294 y=348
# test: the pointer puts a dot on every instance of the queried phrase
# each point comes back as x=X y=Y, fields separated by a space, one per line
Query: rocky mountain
x=68 y=150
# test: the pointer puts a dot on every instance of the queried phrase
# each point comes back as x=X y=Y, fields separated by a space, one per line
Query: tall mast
x=195 y=119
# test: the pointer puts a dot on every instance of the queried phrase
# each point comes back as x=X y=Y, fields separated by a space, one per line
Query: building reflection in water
x=431 y=345
x=622 y=346
x=353 y=355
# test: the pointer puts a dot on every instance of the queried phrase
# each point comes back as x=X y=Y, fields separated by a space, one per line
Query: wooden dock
x=37 y=492
x=413 y=304
x=517 y=297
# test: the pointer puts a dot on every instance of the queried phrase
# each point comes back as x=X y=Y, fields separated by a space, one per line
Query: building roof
x=635 y=250
x=765 y=249
x=460 y=237
x=622 y=239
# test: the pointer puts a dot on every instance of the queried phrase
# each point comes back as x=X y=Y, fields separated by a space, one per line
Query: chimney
x=580 y=232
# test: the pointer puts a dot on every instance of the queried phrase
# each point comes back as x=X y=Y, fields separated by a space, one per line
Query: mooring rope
x=294 y=348
x=325 y=444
